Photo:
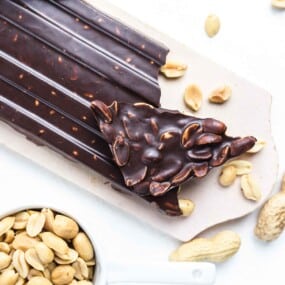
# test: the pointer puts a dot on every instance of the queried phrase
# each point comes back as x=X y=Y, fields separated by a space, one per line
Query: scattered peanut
x=212 y=25
x=220 y=95
x=173 y=69
x=250 y=188
x=215 y=249
x=271 y=219
x=193 y=97
x=228 y=175
x=187 y=207
x=242 y=166
x=39 y=247
x=280 y=4
x=258 y=146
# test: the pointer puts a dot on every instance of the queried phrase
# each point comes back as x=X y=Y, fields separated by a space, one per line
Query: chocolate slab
x=75 y=58
x=98 y=29
x=46 y=91
x=157 y=149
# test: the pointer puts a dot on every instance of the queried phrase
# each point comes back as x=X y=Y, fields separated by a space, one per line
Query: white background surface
x=251 y=42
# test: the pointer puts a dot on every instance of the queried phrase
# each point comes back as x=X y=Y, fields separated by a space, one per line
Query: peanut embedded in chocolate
x=158 y=149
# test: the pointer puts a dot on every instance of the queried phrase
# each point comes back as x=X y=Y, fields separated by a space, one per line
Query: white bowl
x=142 y=272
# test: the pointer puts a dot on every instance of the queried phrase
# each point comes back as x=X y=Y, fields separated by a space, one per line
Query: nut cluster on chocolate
x=157 y=149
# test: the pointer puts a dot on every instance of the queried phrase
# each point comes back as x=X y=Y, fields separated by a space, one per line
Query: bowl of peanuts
x=42 y=246
x=46 y=246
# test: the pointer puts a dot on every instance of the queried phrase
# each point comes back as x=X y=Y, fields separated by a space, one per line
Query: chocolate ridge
x=106 y=66
x=153 y=49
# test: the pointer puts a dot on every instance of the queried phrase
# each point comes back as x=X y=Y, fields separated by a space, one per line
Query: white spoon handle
x=174 y=273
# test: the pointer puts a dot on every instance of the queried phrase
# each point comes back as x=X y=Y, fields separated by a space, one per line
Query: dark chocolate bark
x=15 y=110
x=158 y=149
x=46 y=89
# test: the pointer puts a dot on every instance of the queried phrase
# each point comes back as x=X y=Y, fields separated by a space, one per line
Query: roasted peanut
x=34 y=273
x=9 y=236
x=44 y=253
x=6 y=224
x=216 y=249
x=242 y=166
x=173 y=69
x=187 y=207
x=39 y=281
x=8 y=277
x=280 y=4
x=250 y=188
x=83 y=246
x=4 y=247
x=5 y=260
x=35 y=224
x=21 y=220
x=48 y=226
x=62 y=274
x=33 y=259
x=212 y=25
x=20 y=263
x=193 y=97
x=220 y=95
x=271 y=219
x=228 y=175
x=23 y=241
x=54 y=242
x=65 y=227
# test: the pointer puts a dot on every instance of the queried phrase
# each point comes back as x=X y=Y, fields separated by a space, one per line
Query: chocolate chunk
x=191 y=146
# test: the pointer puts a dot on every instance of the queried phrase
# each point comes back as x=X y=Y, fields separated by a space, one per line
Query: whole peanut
x=271 y=220
x=216 y=249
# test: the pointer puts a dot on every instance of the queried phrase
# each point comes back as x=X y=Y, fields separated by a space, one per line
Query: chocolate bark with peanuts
x=158 y=149
x=46 y=89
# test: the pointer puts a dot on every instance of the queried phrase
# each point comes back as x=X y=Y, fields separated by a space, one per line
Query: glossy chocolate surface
x=158 y=149
x=71 y=58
